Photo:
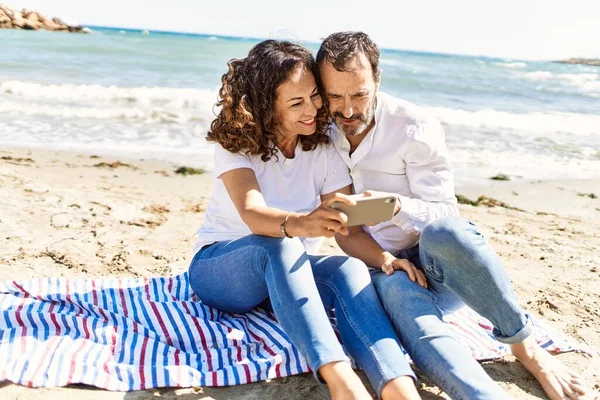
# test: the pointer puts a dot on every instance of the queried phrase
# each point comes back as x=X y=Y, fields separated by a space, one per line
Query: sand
x=74 y=215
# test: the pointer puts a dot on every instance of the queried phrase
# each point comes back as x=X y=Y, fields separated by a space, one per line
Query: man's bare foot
x=556 y=379
x=343 y=383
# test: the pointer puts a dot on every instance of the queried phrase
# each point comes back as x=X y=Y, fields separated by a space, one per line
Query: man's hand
x=373 y=193
x=392 y=264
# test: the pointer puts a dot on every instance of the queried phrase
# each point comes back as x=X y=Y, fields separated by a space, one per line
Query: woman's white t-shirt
x=288 y=184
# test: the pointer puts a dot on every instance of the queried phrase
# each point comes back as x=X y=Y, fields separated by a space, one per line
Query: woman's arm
x=243 y=188
x=357 y=243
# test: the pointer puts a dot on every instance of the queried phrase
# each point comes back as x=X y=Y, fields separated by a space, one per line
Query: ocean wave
x=102 y=134
x=524 y=124
x=66 y=101
x=483 y=163
x=547 y=75
x=403 y=65
x=587 y=83
x=102 y=95
x=510 y=65
x=146 y=114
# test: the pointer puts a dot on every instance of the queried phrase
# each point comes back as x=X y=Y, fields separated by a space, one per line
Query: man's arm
x=430 y=178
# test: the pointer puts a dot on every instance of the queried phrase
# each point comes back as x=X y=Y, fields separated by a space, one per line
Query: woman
x=274 y=165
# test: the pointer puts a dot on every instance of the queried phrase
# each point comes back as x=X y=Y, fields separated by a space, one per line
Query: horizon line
x=258 y=39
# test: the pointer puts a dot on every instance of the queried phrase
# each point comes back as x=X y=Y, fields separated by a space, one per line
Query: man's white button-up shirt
x=404 y=153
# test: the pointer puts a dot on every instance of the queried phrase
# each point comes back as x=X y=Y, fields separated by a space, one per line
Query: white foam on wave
x=152 y=104
x=511 y=65
x=524 y=124
x=586 y=83
x=136 y=140
x=99 y=95
x=547 y=75
x=472 y=166
x=147 y=114
x=536 y=75
x=171 y=124
x=533 y=145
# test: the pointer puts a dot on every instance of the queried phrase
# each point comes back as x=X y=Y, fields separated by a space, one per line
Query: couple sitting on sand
x=295 y=134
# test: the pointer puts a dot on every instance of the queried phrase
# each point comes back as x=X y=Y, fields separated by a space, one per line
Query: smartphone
x=368 y=210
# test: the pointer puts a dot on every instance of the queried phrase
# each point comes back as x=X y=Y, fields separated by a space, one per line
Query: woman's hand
x=322 y=221
x=392 y=264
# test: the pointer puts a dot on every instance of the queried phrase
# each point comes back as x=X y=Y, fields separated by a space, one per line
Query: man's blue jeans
x=237 y=275
x=461 y=268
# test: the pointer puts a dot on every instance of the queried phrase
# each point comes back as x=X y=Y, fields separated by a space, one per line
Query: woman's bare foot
x=343 y=383
x=402 y=388
x=556 y=379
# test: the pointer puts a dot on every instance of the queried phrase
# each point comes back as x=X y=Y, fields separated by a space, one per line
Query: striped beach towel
x=132 y=334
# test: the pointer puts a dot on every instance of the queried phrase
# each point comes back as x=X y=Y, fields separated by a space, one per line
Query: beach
x=94 y=127
x=76 y=215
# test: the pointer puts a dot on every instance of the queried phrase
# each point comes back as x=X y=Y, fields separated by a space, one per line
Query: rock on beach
x=32 y=20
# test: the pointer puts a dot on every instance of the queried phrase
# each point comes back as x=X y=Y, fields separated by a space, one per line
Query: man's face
x=351 y=95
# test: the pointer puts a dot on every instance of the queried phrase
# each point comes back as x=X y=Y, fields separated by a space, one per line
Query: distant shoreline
x=595 y=62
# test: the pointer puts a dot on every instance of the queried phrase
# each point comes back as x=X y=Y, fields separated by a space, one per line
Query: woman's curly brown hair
x=246 y=122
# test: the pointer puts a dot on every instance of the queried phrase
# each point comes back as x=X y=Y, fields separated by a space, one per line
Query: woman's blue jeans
x=461 y=267
x=237 y=275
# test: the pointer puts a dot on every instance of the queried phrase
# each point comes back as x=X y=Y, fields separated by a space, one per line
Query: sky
x=513 y=29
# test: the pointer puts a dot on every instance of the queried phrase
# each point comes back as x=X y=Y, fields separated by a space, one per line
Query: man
x=393 y=146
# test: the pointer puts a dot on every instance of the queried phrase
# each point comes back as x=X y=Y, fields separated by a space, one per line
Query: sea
x=151 y=95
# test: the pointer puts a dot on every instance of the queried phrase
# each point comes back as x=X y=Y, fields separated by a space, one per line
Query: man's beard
x=364 y=118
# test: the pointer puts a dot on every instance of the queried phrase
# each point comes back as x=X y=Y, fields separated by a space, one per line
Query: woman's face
x=296 y=103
